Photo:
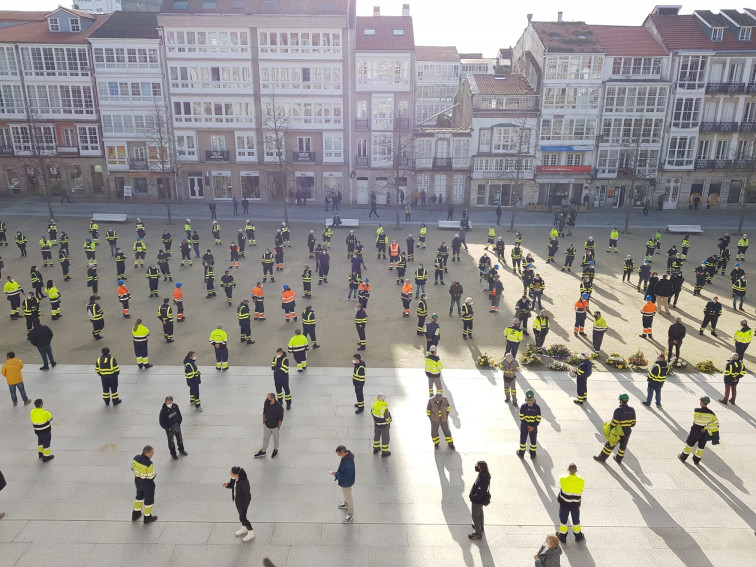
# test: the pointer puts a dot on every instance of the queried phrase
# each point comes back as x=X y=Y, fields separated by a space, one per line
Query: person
x=432 y=332
x=36 y=282
x=193 y=379
x=243 y=315
x=373 y=209
x=627 y=268
x=599 y=330
x=496 y=291
x=165 y=316
x=288 y=304
x=571 y=487
x=513 y=334
x=743 y=338
x=41 y=337
x=241 y=497
x=656 y=378
x=705 y=426
x=31 y=310
x=675 y=336
x=742 y=248
x=549 y=553
x=582 y=372
x=140 y=334
x=170 y=420
x=438 y=412
x=13 y=294
x=712 y=312
x=523 y=309
x=12 y=371
x=498 y=215
x=41 y=421
x=120 y=261
x=21 y=241
x=272 y=418
x=363 y=293
x=582 y=306
x=178 y=301
x=245 y=206
x=280 y=366
x=479 y=496
x=644 y=275
x=734 y=371
x=530 y=418
x=358 y=381
x=108 y=370
x=663 y=292
x=406 y=297
x=509 y=366
x=140 y=251
x=381 y=426
x=433 y=368
x=360 y=322
x=65 y=263
x=624 y=419
x=738 y=292
x=212 y=208
x=345 y=476
x=144 y=480
x=219 y=340
x=95 y=314
x=648 y=311
x=228 y=283
x=467 y=315
x=298 y=346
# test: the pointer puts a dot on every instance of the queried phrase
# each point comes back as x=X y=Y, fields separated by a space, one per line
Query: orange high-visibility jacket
x=287 y=296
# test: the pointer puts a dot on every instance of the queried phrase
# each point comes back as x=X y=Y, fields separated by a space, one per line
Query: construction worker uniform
x=249 y=230
x=380 y=243
x=153 y=279
x=165 y=314
x=711 y=268
x=140 y=230
x=216 y=233
x=327 y=234
x=700 y=279
x=656 y=378
x=423 y=234
x=41 y=421
x=734 y=371
x=530 y=416
x=37 y=283
x=278 y=252
x=581 y=312
x=393 y=255
x=54 y=295
x=743 y=338
x=516 y=255
x=514 y=337
x=308 y=326
x=95 y=314
x=186 y=252
x=570 y=497
x=363 y=294
x=89 y=251
x=467 y=321
x=140 y=346
x=433 y=368
x=432 y=335
x=438 y=413
x=421 y=276
x=410 y=249
x=178 y=301
x=288 y=305
x=624 y=417
x=167 y=241
x=31 y=312
x=195 y=244
x=3 y=228
x=92 y=280
x=358 y=381
x=540 y=329
x=280 y=366
x=569 y=258
x=553 y=248
x=21 y=241
x=65 y=264
x=243 y=314
x=242 y=243
x=193 y=380
x=351 y=242
x=144 y=480
x=258 y=298
x=648 y=311
x=165 y=268
x=219 y=340
x=627 y=269
x=722 y=259
x=209 y=280
x=381 y=427
x=324 y=266
x=298 y=347
x=360 y=322
x=228 y=283
x=742 y=248
x=12 y=291
x=613 y=238
x=307 y=282
x=491 y=237
x=421 y=310
x=140 y=251
x=46 y=247
x=401 y=269
x=94 y=231
x=107 y=369
x=705 y=426
x=583 y=372
x=267 y=265
x=120 y=260
x=438 y=264
x=234 y=255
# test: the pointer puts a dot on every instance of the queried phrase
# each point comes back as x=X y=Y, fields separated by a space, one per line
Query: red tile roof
x=628 y=40
x=383 y=38
x=17 y=16
x=506 y=85
x=684 y=32
x=38 y=32
x=567 y=37
x=432 y=53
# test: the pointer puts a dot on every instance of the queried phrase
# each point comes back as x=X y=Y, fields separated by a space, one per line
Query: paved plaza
x=412 y=508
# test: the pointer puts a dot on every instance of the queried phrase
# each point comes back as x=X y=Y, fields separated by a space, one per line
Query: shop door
x=196 y=187
x=363 y=196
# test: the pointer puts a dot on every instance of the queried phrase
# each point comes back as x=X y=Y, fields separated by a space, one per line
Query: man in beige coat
x=438 y=413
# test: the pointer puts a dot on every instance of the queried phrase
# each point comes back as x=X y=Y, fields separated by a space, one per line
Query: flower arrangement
x=707 y=366
x=531 y=357
x=637 y=360
x=558 y=351
x=680 y=363
x=485 y=360
x=616 y=361
x=574 y=359
x=557 y=365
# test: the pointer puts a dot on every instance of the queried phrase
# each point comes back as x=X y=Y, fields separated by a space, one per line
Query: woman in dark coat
x=548 y=555
x=240 y=494
x=479 y=497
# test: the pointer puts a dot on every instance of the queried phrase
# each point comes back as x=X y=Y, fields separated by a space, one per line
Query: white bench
x=452 y=224
x=344 y=222
x=684 y=228
x=109 y=217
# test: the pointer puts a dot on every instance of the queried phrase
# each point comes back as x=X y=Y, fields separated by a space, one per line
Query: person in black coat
x=170 y=420
x=675 y=334
x=241 y=496
x=41 y=337
x=479 y=497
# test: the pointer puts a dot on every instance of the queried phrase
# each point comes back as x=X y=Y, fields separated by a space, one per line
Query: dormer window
x=717 y=34
x=745 y=34
x=53 y=24
x=75 y=24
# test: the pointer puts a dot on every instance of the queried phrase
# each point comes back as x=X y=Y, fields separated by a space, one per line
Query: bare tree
x=522 y=143
x=398 y=147
x=276 y=125
x=40 y=162
x=744 y=165
x=162 y=153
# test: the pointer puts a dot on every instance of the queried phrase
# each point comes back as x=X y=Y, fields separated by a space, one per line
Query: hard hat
x=179 y=284
x=705 y=400
x=188 y=220
x=584 y=296
x=529 y=395
x=649 y=298
x=139 y=238
x=285 y=287
x=624 y=397
x=434 y=316
x=120 y=282
x=590 y=263
x=496 y=266
x=367 y=280
x=350 y=232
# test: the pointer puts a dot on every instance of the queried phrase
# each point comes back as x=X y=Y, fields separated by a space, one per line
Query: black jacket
x=664 y=288
x=240 y=492
x=170 y=416
x=479 y=490
x=273 y=413
x=676 y=332
x=41 y=336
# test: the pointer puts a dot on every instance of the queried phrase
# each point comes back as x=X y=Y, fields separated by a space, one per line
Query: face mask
x=546 y=544
x=354 y=361
x=169 y=406
x=194 y=358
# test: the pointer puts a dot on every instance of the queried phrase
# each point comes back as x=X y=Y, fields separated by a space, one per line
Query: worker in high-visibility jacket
x=46 y=248
x=298 y=347
x=140 y=334
x=358 y=381
x=193 y=379
x=742 y=247
x=95 y=314
x=228 y=283
x=734 y=371
x=530 y=418
x=743 y=338
x=153 y=279
x=393 y=254
x=123 y=297
x=433 y=368
x=280 y=366
x=624 y=417
x=582 y=372
x=54 y=295
x=42 y=422
x=219 y=340
x=613 y=238
x=288 y=304
x=178 y=301
x=144 y=480
x=107 y=369
x=491 y=236
x=438 y=412
x=705 y=426
x=244 y=316
x=165 y=315
x=571 y=487
x=514 y=336
x=308 y=325
x=423 y=234
x=648 y=311
x=12 y=290
x=31 y=309
x=381 y=426
x=656 y=378
x=258 y=298
x=140 y=252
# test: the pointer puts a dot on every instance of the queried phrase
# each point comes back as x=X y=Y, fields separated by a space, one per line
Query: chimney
x=376 y=10
x=405 y=10
x=559 y=16
x=530 y=17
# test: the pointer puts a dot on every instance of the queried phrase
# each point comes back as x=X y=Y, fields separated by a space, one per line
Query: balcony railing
x=744 y=164
x=748 y=126
x=361 y=123
x=442 y=163
x=714 y=164
x=6 y=150
x=725 y=88
x=718 y=127
x=402 y=123
x=138 y=163
x=640 y=173
x=303 y=156
x=751 y=88
x=216 y=155
x=361 y=161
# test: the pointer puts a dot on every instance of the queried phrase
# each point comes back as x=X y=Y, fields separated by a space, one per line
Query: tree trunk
x=168 y=210
x=742 y=214
x=512 y=219
x=48 y=194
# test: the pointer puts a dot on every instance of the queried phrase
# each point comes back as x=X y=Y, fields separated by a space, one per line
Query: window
x=246 y=147
x=717 y=34
x=686 y=113
x=274 y=147
x=631 y=130
x=186 y=146
x=210 y=77
x=512 y=140
x=636 y=66
x=383 y=72
x=238 y=5
x=574 y=67
x=292 y=77
x=575 y=159
x=218 y=143
x=722 y=150
x=485 y=140
x=362 y=148
x=744 y=34
x=502 y=165
x=74 y=24
x=209 y=4
x=180 y=4
x=570 y=98
x=306 y=114
x=140 y=185
x=8 y=66
x=89 y=139
x=270 y=6
x=636 y=99
x=55 y=61
x=568 y=129
x=250 y=185
x=704 y=146
x=125 y=58
x=333 y=147
x=279 y=42
x=550 y=159
x=115 y=155
x=190 y=41
x=41 y=141
x=213 y=112
x=692 y=71
x=68 y=137
x=680 y=151
x=304 y=144
x=127 y=123
x=461 y=148
x=63 y=99
x=53 y=24
x=11 y=99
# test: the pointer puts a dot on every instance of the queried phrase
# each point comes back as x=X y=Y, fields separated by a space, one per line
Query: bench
x=452 y=224
x=684 y=228
x=109 y=217
x=344 y=222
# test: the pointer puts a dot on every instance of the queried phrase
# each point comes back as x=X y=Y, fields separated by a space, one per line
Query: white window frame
x=74 y=24
x=333 y=147
x=186 y=146
x=53 y=24
x=246 y=146
x=680 y=152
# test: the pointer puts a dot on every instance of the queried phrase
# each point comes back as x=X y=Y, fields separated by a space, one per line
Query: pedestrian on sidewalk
x=170 y=420
x=705 y=426
x=438 y=412
x=219 y=340
x=571 y=487
x=144 y=480
x=549 y=553
x=358 y=381
x=624 y=419
x=272 y=418
x=41 y=337
x=510 y=366
x=241 y=497
x=12 y=371
x=479 y=496
x=345 y=477
x=734 y=371
x=581 y=373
